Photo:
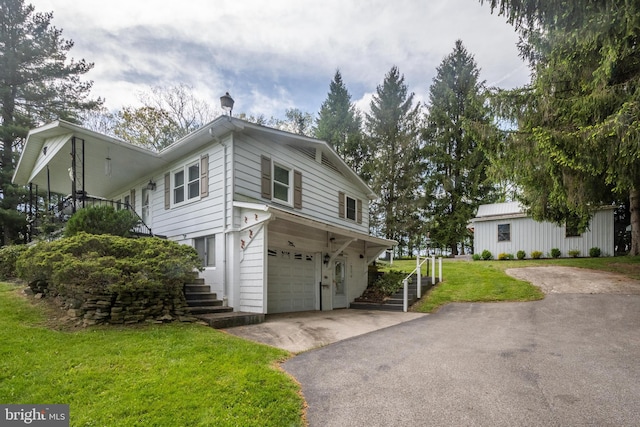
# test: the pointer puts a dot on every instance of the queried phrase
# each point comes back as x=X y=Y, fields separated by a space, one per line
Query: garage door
x=291 y=281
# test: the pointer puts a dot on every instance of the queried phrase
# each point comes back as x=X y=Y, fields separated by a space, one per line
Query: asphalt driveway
x=568 y=360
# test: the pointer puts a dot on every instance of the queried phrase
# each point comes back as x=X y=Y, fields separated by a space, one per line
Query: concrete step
x=209 y=309
x=230 y=320
x=200 y=296
x=196 y=281
x=196 y=287
x=361 y=305
x=204 y=302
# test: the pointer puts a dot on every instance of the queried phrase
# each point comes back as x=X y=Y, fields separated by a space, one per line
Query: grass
x=152 y=375
x=486 y=281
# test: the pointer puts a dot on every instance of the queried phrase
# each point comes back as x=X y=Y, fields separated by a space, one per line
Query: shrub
x=504 y=257
x=101 y=220
x=390 y=282
x=476 y=257
x=536 y=254
x=574 y=253
x=521 y=254
x=8 y=257
x=110 y=263
x=486 y=255
x=555 y=253
x=594 y=252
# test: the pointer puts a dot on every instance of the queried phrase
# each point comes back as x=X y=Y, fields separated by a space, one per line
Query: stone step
x=196 y=281
x=230 y=320
x=204 y=302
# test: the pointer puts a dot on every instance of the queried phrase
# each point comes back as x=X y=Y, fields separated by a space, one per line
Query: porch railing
x=62 y=211
x=418 y=272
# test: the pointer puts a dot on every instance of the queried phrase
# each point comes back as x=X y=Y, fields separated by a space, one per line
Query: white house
x=280 y=221
x=506 y=228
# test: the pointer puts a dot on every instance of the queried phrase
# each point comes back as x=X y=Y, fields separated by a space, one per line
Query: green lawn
x=482 y=281
x=152 y=375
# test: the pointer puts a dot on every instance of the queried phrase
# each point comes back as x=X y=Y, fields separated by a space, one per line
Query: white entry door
x=340 y=283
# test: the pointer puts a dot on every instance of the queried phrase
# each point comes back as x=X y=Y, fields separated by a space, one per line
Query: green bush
x=101 y=220
x=504 y=257
x=390 y=282
x=521 y=254
x=594 y=252
x=486 y=255
x=8 y=257
x=536 y=254
x=555 y=253
x=107 y=263
x=476 y=257
x=574 y=253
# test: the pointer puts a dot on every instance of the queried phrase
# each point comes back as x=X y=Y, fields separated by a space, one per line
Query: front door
x=340 y=283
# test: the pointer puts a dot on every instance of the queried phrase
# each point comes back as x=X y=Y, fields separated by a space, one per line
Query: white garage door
x=291 y=281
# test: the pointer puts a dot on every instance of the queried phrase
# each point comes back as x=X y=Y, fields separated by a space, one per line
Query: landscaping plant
x=521 y=254
x=555 y=253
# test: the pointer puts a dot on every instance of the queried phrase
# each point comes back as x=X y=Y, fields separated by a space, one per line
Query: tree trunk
x=634 y=207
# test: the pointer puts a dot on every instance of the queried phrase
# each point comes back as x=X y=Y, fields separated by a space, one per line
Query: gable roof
x=495 y=211
x=135 y=162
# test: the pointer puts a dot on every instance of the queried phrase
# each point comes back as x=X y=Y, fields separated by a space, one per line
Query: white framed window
x=281 y=183
x=185 y=183
x=206 y=248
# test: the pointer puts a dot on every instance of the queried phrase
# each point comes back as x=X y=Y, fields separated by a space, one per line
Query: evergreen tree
x=37 y=84
x=456 y=177
x=576 y=147
x=393 y=129
x=340 y=124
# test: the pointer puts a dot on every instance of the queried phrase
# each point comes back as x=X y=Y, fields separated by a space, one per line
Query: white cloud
x=279 y=54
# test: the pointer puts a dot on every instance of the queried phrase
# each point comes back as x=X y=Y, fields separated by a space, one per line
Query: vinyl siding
x=320 y=184
x=252 y=274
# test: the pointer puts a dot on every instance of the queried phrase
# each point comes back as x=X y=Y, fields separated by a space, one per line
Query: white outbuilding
x=505 y=228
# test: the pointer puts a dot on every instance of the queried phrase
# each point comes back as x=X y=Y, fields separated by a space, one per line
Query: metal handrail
x=64 y=209
x=418 y=271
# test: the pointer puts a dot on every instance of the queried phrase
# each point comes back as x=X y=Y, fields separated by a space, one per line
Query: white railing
x=418 y=272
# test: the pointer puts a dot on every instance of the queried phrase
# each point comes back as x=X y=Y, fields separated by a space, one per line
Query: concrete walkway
x=298 y=332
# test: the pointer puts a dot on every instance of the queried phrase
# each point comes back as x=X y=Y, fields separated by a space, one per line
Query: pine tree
x=393 y=129
x=456 y=177
x=576 y=147
x=340 y=124
x=37 y=84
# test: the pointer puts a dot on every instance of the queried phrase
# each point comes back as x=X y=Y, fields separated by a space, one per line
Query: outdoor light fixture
x=327 y=258
x=151 y=186
x=226 y=102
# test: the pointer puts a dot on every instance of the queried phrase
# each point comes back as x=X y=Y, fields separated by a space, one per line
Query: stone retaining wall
x=96 y=305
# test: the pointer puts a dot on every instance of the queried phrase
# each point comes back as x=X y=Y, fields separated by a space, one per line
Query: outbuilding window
x=504 y=232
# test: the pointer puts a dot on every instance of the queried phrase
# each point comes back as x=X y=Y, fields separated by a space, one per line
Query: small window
x=351 y=208
x=504 y=232
x=571 y=227
x=281 y=183
x=206 y=248
x=194 y=181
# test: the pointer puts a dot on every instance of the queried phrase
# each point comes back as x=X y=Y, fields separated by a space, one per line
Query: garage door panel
x=291 y=281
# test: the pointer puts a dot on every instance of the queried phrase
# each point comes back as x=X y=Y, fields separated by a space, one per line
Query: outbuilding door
x=291 y=281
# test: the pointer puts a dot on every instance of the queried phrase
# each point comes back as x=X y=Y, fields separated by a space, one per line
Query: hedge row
x=100 y=277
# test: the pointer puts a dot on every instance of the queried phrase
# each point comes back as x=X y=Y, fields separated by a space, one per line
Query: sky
x=279 y=54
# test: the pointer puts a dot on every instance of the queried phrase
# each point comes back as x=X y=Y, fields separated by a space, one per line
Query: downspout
x=225 y=298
